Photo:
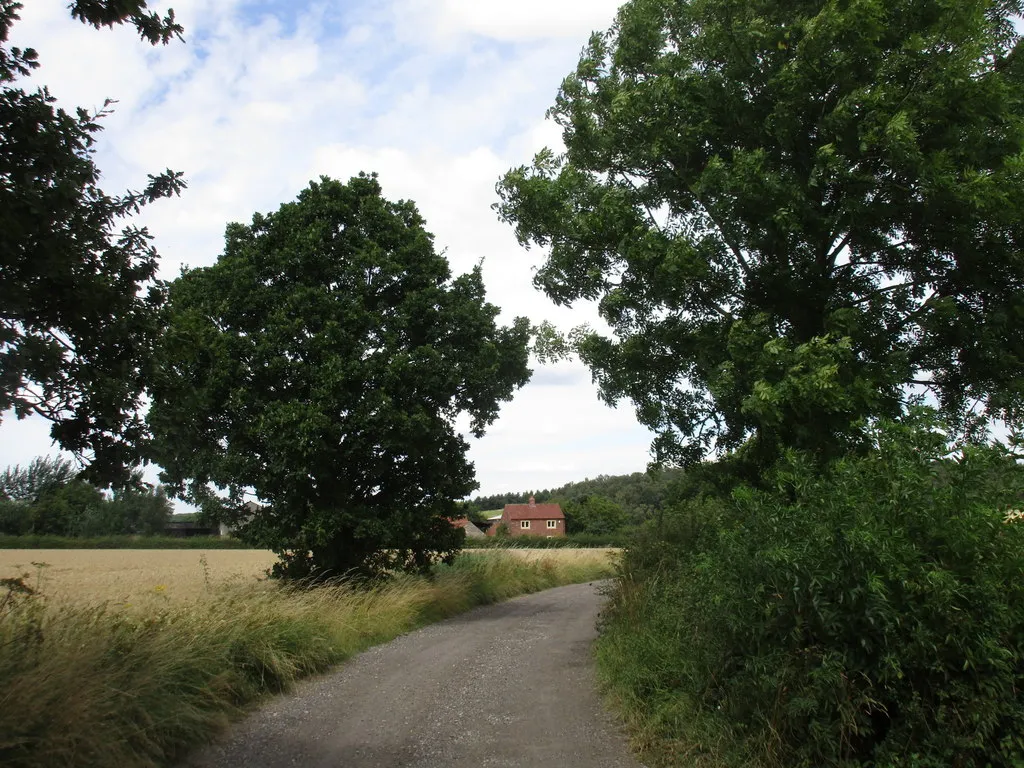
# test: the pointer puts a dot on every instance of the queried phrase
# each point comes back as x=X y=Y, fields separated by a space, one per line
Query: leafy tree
x=321 y=364
x=594 y=514
x=137 y=511
x=15 y=518
x=794 y=214
x=639 y=494
x=78 y=300
x=61 y=511
x=43 y=473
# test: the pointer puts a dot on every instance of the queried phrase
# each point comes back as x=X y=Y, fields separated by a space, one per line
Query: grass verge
x=100 y=687
x=572 y=541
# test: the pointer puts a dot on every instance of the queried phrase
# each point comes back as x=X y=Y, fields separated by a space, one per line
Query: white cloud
x=569 y=20
x=439 y=98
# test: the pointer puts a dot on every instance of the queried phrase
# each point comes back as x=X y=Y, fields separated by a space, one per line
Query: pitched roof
x=534 y=512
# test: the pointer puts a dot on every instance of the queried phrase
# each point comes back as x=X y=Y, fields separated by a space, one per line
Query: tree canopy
x=796 y=215
x=320 y=366
x=640 y=494
x=48 y=497
x=79 y=305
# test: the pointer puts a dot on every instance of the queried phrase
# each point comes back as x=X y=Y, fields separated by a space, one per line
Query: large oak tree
x=795 y=214
x=321 y=365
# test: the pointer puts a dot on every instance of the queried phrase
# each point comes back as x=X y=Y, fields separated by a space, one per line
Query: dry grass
x=105 y=686
x=142 y=578
x=135 y=576
x=585 y=557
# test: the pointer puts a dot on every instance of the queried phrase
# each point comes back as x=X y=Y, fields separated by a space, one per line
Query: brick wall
x=537 y=528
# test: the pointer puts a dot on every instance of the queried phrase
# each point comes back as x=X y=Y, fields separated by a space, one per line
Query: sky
x=439 y=97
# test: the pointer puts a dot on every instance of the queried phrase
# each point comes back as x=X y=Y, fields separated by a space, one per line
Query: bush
x=872 y=614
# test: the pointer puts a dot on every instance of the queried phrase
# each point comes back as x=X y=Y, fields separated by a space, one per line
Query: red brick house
x=531 y=519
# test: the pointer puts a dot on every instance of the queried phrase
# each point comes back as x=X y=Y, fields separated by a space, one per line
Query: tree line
x=597 y=505
x=48 y=497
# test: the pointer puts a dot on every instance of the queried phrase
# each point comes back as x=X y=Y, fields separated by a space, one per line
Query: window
x=524 y=523
x=552 y=523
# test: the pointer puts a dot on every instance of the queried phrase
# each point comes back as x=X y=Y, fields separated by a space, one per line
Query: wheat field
x=142 y=577
x=129 y=657
x=135 y=576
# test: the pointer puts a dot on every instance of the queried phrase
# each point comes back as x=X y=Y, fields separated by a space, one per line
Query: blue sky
x=437 y=96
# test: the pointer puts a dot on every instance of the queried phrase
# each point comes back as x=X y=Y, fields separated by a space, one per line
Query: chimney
x=533 y=502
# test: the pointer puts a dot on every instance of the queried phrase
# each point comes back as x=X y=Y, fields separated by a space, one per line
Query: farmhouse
x=531 y=519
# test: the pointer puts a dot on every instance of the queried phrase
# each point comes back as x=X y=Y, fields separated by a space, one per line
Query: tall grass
x=101 y=687
x=572 y=541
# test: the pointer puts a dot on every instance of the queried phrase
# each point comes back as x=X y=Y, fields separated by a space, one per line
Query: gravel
x=506 y=685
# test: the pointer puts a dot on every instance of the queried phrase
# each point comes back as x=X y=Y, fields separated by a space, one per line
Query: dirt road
x=506 y=685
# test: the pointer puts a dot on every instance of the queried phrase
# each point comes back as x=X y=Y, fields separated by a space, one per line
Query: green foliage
x=321 y=363
x=794 y=215
x=139 y=512
x=79 y=303
x=49 y=498
x=593 y=514
x=42 y=474
x=868 y=615
x=62 y=511
x=641 y=495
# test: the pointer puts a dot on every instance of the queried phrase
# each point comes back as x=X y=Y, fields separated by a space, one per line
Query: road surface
x=505 y=685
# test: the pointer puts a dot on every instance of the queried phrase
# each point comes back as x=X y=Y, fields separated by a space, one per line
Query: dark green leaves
x=79 y=303
x=840 y=177
x=320 y=365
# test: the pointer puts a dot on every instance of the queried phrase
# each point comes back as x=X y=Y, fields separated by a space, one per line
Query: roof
x=467 y=526
x=534 y=512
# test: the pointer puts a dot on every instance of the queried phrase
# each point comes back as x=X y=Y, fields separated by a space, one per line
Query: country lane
x=510 y=684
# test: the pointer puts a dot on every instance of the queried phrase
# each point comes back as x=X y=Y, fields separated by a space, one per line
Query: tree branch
x=744 y=265
x=650 y=214
x=66 y=344
x=859 y=262
x=917 y=312
x=886 y=289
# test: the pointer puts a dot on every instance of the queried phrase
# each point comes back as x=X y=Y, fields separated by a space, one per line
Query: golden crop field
x=134 y=576
x=142 y=577
x=188 y=637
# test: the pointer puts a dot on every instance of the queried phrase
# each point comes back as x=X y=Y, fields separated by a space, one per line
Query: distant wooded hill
x=639 y=494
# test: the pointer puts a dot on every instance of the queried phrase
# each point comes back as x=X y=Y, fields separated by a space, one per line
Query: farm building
x=531 y=519
x=471 y=530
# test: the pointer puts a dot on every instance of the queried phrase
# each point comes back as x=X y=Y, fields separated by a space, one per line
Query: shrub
x=872 y=614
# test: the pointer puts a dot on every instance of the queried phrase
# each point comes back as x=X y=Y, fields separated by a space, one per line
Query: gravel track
x=510 y=684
